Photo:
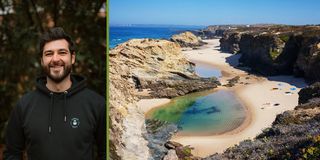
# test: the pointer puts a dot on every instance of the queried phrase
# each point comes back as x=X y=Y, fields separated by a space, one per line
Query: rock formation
x=230 y=42
x=187 y=39
x=309 y=93
x=145 y=68
x=308 y=59
x=259 y=52
x=216 y=31
x=276 y=49
x=158 y=134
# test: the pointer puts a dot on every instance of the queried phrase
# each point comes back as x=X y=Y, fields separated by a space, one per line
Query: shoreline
x=257 y=94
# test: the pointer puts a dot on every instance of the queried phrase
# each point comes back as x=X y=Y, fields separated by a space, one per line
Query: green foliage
x=274 y=54
x=187 y=150
x=284 y=37
x=308 y=149
x=270 y=152
x=19 y=53
x=312 y=151
x=291 y=120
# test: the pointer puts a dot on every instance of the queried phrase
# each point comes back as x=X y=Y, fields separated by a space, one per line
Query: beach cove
x=263 y=98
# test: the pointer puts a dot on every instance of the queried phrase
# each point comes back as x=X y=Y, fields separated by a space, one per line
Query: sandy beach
x=263 y=97
x=147 y=104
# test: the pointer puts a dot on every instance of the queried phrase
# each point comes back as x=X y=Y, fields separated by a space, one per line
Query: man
x=61 y=119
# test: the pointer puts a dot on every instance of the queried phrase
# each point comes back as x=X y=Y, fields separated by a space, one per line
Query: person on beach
x=61 y=119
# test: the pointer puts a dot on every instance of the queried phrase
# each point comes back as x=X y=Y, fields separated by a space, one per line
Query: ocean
x=120 y=34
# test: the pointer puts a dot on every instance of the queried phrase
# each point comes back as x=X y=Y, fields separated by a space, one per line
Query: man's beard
x=57 y=78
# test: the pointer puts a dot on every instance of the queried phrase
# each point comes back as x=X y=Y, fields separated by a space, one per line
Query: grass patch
x=284 y=38
x=274 y=54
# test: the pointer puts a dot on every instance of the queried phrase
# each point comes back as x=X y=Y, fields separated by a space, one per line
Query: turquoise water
x=203 y=112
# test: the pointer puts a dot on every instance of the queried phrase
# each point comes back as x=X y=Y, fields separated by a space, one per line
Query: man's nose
x=55 y=57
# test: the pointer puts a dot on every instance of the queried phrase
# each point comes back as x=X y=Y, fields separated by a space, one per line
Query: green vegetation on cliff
x=284 y=37
x=274 y=54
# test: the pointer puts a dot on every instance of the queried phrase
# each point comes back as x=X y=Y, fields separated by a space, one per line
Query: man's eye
x=63 y=52
x=48 y=54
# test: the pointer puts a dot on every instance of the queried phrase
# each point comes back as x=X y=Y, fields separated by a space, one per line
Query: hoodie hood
x=78 y=83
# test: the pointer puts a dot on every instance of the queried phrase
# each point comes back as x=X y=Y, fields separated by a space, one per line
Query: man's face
x=57 y=60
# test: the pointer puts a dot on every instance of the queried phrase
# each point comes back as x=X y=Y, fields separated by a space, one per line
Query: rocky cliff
x=145 y=68
x=187 y=39
x=277 y=50
x=294 y=134
x=307 y=63
x=230 y=42
x=216 y=31
x=260 y=51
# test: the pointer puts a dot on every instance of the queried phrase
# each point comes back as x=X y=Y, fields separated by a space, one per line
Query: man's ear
x=73 y=57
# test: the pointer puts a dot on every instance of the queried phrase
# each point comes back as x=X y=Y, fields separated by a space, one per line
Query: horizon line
x=201 y=25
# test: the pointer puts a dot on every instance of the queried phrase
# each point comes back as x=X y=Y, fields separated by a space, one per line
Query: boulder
x=308 y=93
x=187 y=39
x=172 y=145
x=171 y=155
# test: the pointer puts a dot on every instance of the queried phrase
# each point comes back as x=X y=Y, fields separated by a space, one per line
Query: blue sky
x=209 y=12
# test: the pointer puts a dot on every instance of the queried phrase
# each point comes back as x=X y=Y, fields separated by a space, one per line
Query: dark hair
x=56 y=33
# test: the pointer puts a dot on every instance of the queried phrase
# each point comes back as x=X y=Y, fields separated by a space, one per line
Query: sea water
x=120 y=34
x=208 y=112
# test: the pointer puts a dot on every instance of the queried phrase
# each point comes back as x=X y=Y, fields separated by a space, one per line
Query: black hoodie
x=57 y=126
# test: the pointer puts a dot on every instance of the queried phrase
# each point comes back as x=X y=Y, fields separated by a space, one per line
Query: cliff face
x=144 y=68
x=294 y=134
x=187 y=39
x=278 y=50
x=215 y=31
x=259 y=52
x=308 y=60
x=122 y=101
x=230 y=42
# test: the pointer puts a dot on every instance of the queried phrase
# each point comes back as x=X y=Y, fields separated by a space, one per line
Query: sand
x=263 y=97
x=145 y=105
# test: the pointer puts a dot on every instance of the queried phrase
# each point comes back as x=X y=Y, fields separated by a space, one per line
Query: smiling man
x=61 y=119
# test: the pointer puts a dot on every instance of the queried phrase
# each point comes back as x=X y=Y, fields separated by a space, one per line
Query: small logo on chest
x=74 y=122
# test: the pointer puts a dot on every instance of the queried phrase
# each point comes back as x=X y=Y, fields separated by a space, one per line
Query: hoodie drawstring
x=65 y=105
x=50 y=113
x=51 y=108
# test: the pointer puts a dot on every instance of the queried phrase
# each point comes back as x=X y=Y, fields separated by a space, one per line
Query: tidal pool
x=207 y=71
x=202 y=113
